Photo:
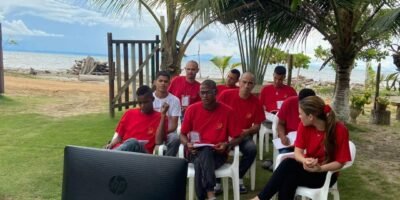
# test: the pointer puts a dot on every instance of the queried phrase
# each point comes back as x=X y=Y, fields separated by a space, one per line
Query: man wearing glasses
x=205 y=132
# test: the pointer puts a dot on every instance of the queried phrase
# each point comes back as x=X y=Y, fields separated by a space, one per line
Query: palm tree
x=301 y=61
x=222 y=63
x=348 y=25
x=178 y=12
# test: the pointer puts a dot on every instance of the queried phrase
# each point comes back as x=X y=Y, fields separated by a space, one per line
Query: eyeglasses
x=207 y=92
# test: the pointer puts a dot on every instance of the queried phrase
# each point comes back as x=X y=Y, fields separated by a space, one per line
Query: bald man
x=186 y=88
x=250 y=114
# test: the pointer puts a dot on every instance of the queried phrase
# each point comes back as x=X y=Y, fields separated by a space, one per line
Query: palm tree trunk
x=342 y=89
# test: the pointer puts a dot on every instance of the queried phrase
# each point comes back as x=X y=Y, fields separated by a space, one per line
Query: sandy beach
x=69 y=95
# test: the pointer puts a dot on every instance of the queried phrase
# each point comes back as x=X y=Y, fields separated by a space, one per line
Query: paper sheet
x=196 y=145
x=278 y=144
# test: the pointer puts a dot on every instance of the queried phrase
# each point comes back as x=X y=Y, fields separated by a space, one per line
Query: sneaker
x=267 y=164
x=218 y=190
x=242 y=189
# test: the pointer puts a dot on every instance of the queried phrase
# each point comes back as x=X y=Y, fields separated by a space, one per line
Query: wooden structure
x=378 y=116
x=395 y=101
x=132 y=63
x=1 y=63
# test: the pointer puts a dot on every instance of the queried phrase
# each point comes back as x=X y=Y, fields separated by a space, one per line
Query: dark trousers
x=288 y=176
x=206 y=161
x=249 y=153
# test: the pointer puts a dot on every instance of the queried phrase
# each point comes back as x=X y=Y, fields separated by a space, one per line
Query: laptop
x=95 y=174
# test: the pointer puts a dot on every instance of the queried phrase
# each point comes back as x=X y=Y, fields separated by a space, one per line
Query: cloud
x=18 y=27
x=64 y=11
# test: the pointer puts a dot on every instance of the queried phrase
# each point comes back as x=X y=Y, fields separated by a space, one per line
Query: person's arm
x=113 y=142
x=282 y=132
x=332 y=166
x=161 y=126
x=251 y=131
x=307 y=162
x=189 y=145
x=173 y=121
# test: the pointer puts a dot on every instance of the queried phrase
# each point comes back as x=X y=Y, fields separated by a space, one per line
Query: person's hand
x=108 y=146
x=164 y=108
x=315 y=168
x=310 y=162
x=191 y=149
x=221 y=147
x=285 y=140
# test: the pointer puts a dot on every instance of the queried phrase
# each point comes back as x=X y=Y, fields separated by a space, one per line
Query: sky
x=74 y=26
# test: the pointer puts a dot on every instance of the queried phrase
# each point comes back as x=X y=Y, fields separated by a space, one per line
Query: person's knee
x=131 y=142
x=249 y=148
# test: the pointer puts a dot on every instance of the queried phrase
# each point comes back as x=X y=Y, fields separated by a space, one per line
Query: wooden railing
x=132 y=63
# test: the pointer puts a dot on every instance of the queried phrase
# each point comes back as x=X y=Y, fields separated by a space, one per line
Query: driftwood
x=89 y=66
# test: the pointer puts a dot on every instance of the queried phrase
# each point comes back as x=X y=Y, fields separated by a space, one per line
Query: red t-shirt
x=249 y=111
x=221 y=88
x=180 y=87
x=213 y=126
x=312 y=140
x=270 y=95
x=289 y=113
x=135 y=124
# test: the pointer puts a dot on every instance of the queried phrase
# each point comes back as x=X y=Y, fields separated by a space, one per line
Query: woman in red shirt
x=322 y=145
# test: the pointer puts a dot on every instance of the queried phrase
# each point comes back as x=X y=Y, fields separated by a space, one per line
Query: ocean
x=62 y=62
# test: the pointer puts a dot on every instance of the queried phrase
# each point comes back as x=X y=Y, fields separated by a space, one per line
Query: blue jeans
x=172 y=144
x=132 y=145
x=286 y=150
x=249 y=152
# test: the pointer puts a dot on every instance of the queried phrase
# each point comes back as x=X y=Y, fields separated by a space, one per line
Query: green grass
x=31 y=150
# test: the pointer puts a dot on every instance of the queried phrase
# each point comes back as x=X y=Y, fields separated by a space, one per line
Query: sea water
x=62 y=62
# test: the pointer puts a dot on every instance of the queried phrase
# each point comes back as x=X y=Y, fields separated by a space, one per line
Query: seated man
x=273 y=95
x=212 y=123
x=186 y=88
x=288 y=121
x=230 y=82
x=161 y=96
x=140 y=129
x=250 y=115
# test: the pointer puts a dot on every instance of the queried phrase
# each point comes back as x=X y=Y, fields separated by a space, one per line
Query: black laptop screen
x=91 y=173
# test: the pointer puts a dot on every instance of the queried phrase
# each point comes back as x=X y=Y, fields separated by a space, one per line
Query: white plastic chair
x=320 y=193
x=274 y=136
x=160 y=150
x=226 y=170
x=263 y=134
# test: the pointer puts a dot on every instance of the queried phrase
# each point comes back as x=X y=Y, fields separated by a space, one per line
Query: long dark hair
x=316 y=106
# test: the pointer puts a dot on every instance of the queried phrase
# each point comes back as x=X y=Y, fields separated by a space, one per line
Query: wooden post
x=1 y=63
x=111 y=75
x=290 y=67
x=381 y=117
x=378 y=79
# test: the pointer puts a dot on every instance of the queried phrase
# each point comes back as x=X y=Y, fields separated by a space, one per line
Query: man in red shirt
x=250 y=115
x=288 y=121
x=288 y=115
x=273 y=95
x=230 y=83
x=140 y=129
x=186 y=88
x=211 y=123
